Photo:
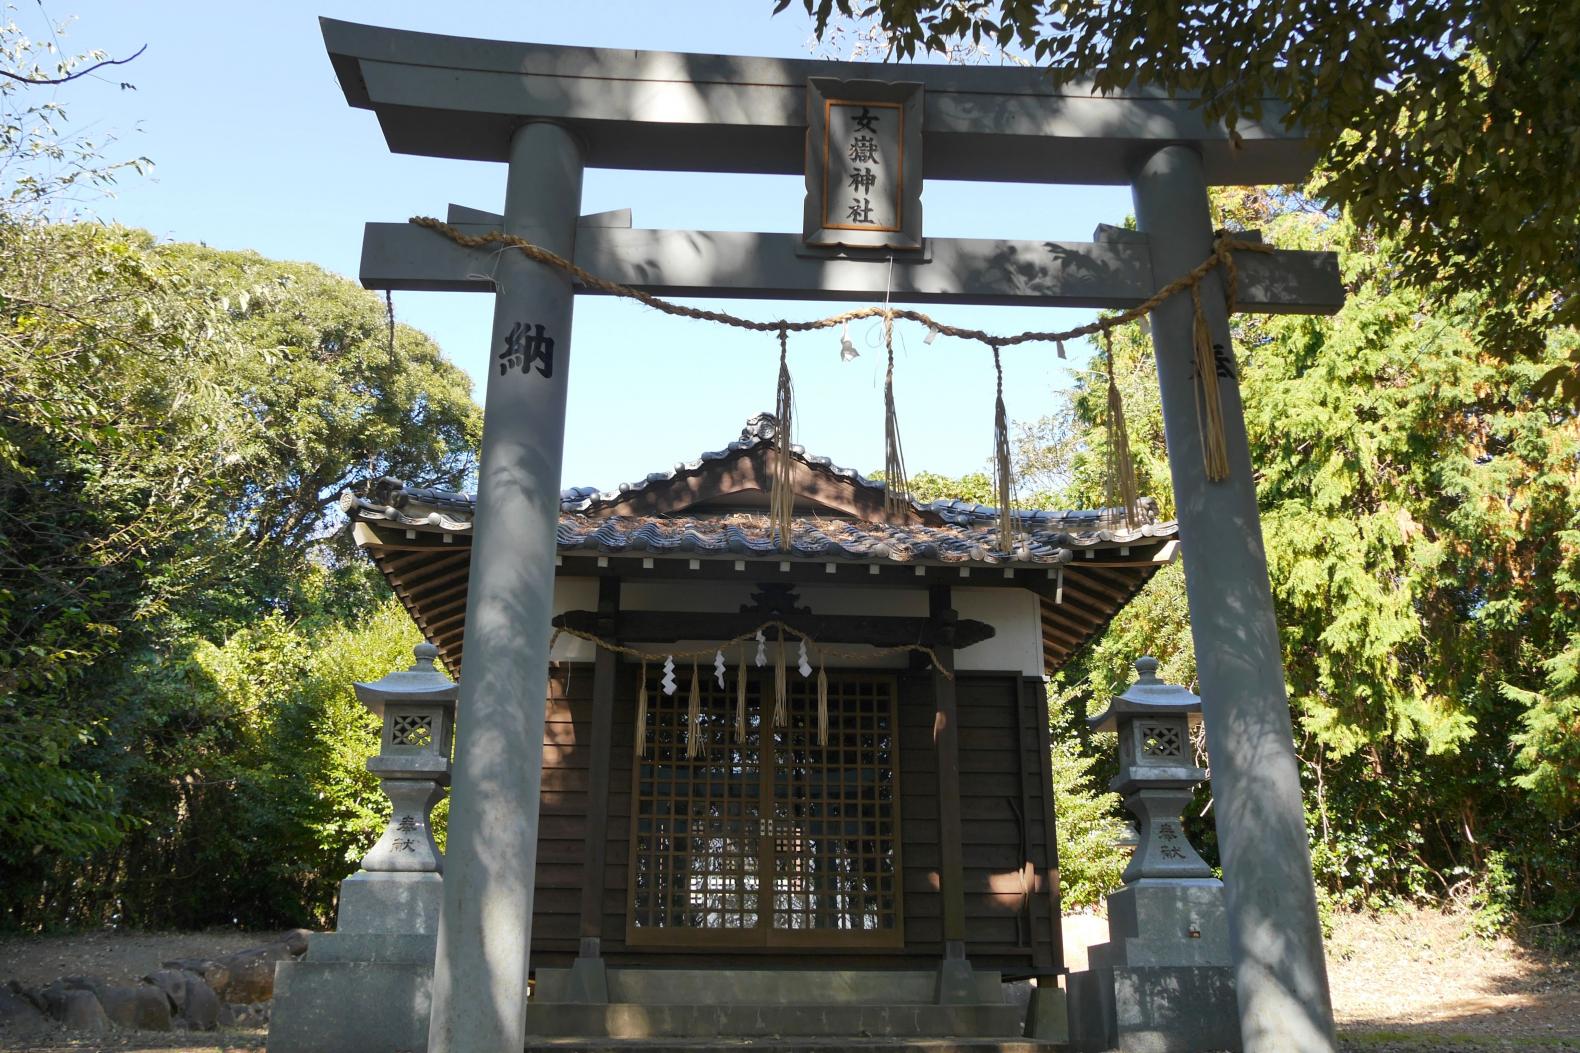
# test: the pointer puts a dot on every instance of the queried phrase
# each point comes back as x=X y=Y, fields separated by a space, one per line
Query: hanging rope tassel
x=822 y=703
x=389 y=315
x=781 y=505
x=1209 y=401
x=1002 y=482
x=694 y=715
x=1121 y=469
x=641 y=714
x=781 y=710
x=896 y=490
x=740 y=699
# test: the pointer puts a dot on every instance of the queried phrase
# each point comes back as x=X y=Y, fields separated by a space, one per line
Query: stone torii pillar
x=480 y=972
x=1280 y=974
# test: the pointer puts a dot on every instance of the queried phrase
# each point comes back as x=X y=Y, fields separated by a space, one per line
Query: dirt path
x=1414 y=981
x=119 y=957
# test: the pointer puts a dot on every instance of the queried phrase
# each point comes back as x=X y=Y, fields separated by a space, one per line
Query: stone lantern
x=1156 y=771
x=367 y=985
x=1162 y=983
x=398 y=888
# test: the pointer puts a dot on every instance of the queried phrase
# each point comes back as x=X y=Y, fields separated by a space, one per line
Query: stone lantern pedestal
x=399 y=888
x=1163 y=982
x=366 y=987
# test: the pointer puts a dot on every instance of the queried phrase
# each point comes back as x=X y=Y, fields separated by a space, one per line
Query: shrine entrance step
x=714 y=1022
x=767 y=987
x=793 y=1045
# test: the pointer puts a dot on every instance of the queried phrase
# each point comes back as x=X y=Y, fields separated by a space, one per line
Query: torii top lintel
x=459 y=97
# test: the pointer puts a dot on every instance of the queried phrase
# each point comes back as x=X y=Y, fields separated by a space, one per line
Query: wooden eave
x=427 y=568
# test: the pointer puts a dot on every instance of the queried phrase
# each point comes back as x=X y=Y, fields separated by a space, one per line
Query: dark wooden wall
x=1005 y=806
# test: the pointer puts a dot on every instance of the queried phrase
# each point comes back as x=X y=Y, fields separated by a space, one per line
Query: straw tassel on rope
x=781 y=710
x=641 y=713
x=896 y=496
x=694 y=715
x=740 y=698
x=822 y=703
x=1209 y=401
x=1121 y=469
x=781 y=504
x=1003 y=484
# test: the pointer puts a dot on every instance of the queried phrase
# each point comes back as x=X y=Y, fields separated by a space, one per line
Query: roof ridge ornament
x=760 y=427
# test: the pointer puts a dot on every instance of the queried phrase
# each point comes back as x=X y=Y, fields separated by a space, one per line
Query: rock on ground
x=249 y=974
x=173 y=983
x=201 y=1004
x=145 y=1007
x=19 y=1014
x=82 y=1012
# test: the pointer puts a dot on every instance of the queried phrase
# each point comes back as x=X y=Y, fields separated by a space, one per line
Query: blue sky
x=255 y=147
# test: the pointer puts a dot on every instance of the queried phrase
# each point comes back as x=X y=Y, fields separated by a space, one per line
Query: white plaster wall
x=1017 y=616
x=574 y=594
x=1014 y=613
x=730 y=596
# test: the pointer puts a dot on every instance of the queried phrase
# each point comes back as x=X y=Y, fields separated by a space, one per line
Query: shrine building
x=919 y=828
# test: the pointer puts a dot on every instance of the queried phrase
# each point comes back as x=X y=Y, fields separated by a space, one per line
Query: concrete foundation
x=390 y=903
x=628 y=1021
x=371 y=993
x=767 y=986
x=1163 y=983
x=1154 y=1009
x=785 y=1004
x=354 y=993
x=1048 y=1015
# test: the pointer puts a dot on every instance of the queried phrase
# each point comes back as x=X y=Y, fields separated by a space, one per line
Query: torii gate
x=551 y=111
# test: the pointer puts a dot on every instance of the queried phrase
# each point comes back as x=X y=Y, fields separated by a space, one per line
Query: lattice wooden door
x=776 y=840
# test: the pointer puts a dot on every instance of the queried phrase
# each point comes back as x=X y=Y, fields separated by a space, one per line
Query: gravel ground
x=119 y=957
x=1413 y=982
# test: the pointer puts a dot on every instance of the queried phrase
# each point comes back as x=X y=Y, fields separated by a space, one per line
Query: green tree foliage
x=175 y=423
x=1087 y=818
x=1419 y=503
x=930 y=486
x=1448 y=123
x=246 y=773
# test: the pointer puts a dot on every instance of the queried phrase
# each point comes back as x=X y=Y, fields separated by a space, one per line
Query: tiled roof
x=969 y=533
x=1104 y=562
x=813 y=537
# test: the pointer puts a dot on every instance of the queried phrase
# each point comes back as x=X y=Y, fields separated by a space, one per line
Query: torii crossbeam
x=1113 y=271
x=552 y=111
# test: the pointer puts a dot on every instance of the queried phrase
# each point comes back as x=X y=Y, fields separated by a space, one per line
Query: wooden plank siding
x=1004 y=804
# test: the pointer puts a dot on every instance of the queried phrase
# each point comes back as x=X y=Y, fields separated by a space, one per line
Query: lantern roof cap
x=423 y=682
x=1148 y=696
